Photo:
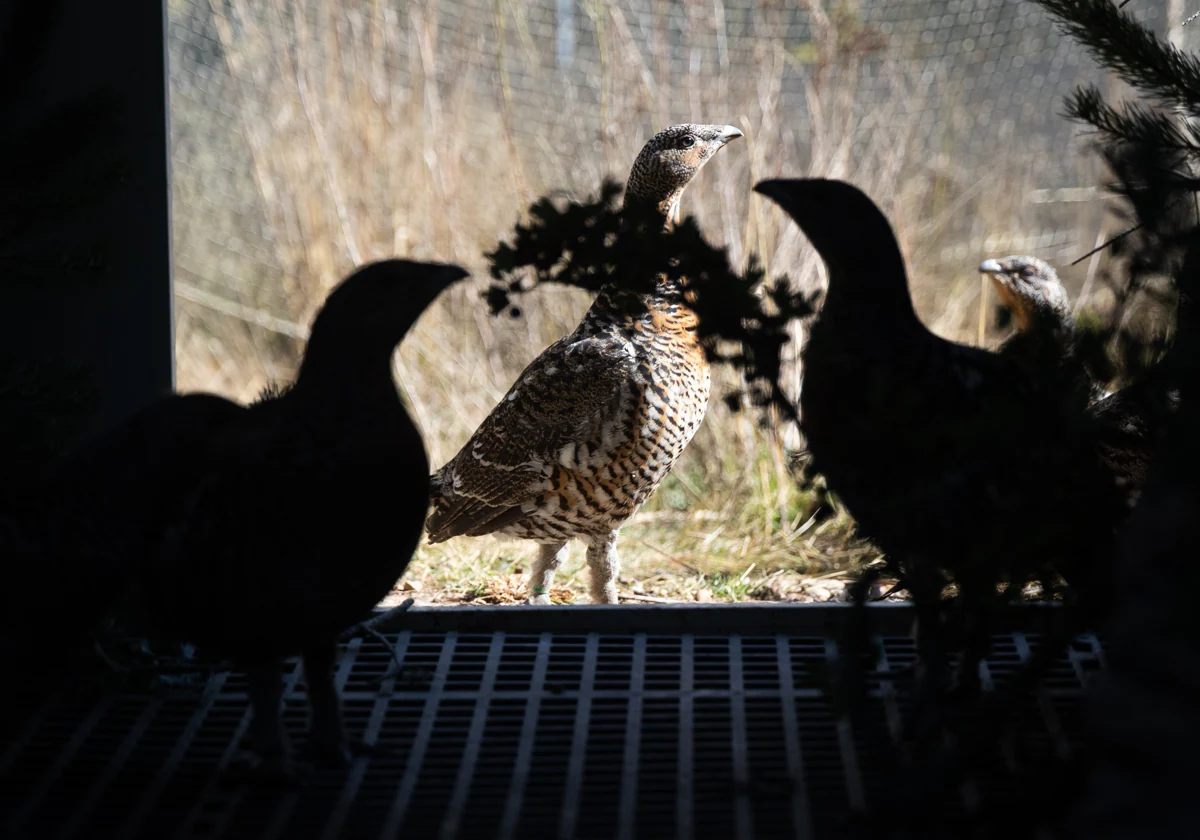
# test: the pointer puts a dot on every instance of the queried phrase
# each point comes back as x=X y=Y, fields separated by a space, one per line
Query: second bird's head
x=1030 y=289
x=375 y=307
x=669 y=161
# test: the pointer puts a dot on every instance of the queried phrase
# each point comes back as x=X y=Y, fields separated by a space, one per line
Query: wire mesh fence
x=309 y=136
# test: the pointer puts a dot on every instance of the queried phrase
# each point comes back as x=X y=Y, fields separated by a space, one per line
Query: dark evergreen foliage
x=1143 y=743
x=743 y=315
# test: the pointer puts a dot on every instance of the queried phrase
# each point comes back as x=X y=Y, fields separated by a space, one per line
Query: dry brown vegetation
x=364 y=131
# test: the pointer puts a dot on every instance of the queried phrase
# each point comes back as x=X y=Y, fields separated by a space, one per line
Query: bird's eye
x=1027 y=271
x=687 y=141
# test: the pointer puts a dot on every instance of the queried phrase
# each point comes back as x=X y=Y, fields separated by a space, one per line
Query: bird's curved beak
x=729 y=133
x=451 y=274
x=791 y=194
x=1002 y=281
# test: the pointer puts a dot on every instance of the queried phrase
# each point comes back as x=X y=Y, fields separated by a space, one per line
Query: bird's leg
x=926 y=584
x=605 y=565
x=976 y=603
x=266 y=726
x=550 y=557
x=326 y=733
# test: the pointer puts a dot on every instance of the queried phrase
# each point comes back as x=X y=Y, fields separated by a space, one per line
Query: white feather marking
x=566 y=455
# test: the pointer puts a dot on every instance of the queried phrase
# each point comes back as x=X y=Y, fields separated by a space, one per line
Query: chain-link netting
x=309 y=136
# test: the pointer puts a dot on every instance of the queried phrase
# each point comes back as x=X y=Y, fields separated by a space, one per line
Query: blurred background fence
x=310 y=136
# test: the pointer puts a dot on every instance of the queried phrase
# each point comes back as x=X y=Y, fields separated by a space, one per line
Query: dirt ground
x=781 y=586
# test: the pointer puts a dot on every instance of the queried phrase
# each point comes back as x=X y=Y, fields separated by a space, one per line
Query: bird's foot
x=966 y=691
x=272 y=772
x=342 y=753
x=538 y=596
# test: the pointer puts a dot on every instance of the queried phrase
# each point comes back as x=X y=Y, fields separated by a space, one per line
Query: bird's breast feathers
x=601 y=415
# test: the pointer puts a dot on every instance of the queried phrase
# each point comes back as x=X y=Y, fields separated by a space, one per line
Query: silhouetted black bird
x=311 y=509
x=948 y=456
x=80 y=530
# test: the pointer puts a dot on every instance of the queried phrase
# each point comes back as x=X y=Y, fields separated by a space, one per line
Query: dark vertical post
x=113 y=311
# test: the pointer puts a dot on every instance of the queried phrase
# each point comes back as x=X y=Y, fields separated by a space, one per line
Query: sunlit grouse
x=1043 y=324
x=595 y=422
x=1030 y=290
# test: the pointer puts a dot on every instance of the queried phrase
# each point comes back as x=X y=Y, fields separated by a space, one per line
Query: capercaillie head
x=669 y=161
x=1030 y=289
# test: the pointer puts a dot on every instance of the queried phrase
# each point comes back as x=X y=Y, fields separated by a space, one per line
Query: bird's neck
x=669 y=208
x=615 y=304
x=354 y=371
x=666 y=206
x=1050 y=320
x=868 y=297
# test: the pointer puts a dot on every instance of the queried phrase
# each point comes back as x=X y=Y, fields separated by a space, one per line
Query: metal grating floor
x=514 y=733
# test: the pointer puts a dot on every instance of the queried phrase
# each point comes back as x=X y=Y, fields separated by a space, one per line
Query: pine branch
x=1160 y=70
x=1152 y=148
x=598 y=244
x=1133 y=123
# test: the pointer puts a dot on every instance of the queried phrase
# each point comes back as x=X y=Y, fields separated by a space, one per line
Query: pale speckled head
x=1030 y=288
x=669 y=161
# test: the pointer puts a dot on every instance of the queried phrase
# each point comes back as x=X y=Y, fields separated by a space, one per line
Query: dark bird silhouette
x=310 y=510
x=595 y=422
x=79 y=532
x=1129 y=421
x=948 y=456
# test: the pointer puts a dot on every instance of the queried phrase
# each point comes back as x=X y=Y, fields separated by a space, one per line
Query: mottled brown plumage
x=595 y=422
